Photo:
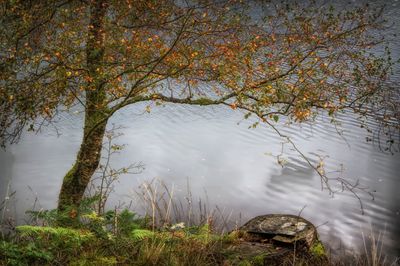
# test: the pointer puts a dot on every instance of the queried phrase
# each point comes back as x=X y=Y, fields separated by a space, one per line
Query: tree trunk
x=88 y=158
x=78 y=177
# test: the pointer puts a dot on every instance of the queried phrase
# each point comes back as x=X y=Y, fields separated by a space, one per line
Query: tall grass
x=371 y=254
x=165 y=208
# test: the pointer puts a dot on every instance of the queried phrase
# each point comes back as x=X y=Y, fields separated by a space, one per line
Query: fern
x=126 y=222
x=54 y=236
x=13 y=254
x=140 y=234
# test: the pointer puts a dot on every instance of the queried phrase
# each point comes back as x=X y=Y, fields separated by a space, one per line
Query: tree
x=292 y=60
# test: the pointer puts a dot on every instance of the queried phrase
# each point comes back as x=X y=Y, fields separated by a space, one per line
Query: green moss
x=203 y=101
x=69 y=175
x=318 y=249
x=64 y=200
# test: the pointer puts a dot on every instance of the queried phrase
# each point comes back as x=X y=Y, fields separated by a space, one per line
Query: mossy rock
x=281 y=229
x=273 y=239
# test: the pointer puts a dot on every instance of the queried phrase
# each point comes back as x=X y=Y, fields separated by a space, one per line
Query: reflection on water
x=231 y=162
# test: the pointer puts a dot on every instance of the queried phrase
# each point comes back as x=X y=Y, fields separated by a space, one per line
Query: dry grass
x=165 y=208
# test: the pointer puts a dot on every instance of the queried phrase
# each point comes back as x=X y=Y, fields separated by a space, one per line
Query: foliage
x=318 y=249
x=69 y=216
x=120 y=223
x=128 y=242
x=140 y=234
x=13 y=254
x=176 y=245
x=54 y=237
x=202 y=233
x=197 y=43
x=128 y=222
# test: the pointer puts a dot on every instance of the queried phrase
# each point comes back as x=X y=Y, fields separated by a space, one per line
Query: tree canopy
x=270 y=59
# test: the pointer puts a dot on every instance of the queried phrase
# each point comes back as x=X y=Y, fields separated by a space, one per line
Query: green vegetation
x=318 y=249
x=123 y=238
x=110 y=239
x=192 y=236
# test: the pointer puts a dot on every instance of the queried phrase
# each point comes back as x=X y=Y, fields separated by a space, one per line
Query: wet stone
x=282 y=228
x=270 y=239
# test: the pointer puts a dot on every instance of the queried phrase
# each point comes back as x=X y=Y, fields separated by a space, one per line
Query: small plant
x=128 y=221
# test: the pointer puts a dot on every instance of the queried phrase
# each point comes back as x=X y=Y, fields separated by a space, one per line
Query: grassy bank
x=124 y=238
x=121 y=239
x=172 y=233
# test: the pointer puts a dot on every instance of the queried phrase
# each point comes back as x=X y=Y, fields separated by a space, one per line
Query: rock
x=272 y=240
x=284 y=228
